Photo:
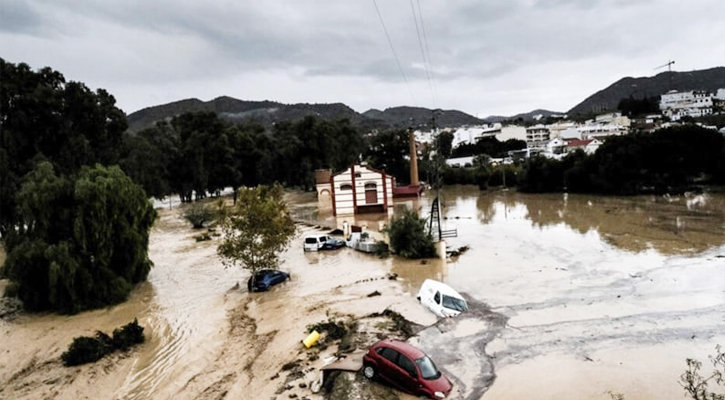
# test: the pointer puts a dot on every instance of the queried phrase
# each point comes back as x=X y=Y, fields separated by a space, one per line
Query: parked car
x=266 y=278
x=441 y=299
x=321 y=242
x=406 y=368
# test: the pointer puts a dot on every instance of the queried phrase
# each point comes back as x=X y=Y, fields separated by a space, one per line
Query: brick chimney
x=413 y=159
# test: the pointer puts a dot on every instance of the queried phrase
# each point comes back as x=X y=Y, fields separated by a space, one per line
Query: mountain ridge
x=607 y=99
x=269 y=112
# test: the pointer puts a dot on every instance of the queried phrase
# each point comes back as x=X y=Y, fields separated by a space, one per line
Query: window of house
x=346 y=187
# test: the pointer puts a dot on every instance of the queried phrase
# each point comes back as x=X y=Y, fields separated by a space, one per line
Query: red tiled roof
x=578 y=142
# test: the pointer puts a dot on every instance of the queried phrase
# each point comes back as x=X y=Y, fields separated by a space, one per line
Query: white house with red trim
x=356 y=190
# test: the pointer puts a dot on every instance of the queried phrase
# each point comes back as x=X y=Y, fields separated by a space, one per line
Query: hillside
x=234 y=110
x=404 y=117
x=269 y=112
x=607 y=99
x=526 y=117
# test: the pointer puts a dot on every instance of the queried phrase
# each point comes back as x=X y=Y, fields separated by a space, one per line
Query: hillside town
x=555 y=140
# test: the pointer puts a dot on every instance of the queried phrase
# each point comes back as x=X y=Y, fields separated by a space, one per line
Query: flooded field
x=572 y=297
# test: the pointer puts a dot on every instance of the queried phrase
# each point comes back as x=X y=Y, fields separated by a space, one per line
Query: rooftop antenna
x=669 y=71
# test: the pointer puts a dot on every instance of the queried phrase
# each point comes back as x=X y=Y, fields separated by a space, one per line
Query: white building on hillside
x=511 y=132
x=471 y=134
x=537 y=136
x=599 y=131
x=694 y=103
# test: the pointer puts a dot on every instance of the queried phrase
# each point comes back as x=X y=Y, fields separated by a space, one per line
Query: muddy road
x=572 y=297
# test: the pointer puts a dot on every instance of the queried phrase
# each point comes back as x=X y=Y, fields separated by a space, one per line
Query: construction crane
x=669 y=70
x=668 y=65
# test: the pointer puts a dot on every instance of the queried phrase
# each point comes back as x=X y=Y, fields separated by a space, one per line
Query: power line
x=392 y=48
x=422 y=51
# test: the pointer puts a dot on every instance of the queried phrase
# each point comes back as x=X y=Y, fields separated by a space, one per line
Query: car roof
x=405 y=348
x=442 y=287
x=266 y=271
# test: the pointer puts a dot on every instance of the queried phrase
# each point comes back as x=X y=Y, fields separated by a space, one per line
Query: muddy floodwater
x=572 y=296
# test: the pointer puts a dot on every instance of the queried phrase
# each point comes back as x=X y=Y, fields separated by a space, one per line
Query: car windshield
x=311 y=240
x=428 y=370
x=454 y=303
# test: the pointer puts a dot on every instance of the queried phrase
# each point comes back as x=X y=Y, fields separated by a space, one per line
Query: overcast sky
x=492 y=57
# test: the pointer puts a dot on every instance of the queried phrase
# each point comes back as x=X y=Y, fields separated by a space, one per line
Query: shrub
x=198 y=214
x=408 y=236
x=128 y=335
x=86 y=349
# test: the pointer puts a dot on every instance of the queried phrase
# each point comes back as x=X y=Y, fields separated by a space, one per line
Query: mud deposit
x=574 y=297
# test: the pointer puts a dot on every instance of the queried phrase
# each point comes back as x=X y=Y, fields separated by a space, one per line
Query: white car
x=321 y=242
x=441 y=299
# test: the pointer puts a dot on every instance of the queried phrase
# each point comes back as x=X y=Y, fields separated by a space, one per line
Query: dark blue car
x=266 y=278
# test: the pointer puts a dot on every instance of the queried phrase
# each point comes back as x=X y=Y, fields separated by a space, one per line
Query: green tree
x=444 y=143
x=257 y=228
x=389 y=151
x=43 y=117
x=408 y=236
x=82 y=241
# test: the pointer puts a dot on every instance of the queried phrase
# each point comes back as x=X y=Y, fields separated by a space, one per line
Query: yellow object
x=311 y=339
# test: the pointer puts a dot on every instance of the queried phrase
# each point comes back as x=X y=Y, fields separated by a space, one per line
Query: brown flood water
x=572 y=297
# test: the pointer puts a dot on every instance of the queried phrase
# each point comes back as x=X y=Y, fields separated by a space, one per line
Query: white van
x=321 y=242
x=441 y=299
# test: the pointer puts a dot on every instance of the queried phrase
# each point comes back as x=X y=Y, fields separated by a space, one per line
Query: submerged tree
x=408 y=236
x=257 y=228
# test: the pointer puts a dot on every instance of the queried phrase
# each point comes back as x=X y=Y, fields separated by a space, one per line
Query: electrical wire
x=392 y=48
x=427 y=52
x=426 y=64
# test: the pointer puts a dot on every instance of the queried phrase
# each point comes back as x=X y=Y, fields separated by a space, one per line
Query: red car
x=406 y=368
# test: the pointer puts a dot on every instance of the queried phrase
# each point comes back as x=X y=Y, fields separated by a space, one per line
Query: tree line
x=670 y=160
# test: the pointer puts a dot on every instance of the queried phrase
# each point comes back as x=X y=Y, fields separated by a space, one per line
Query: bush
x=198 y=214
x=86 y=349
x=408 y=236
x=128 y=335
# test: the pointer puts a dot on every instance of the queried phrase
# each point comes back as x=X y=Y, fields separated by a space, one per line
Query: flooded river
x=575 y=297
x=603 y=295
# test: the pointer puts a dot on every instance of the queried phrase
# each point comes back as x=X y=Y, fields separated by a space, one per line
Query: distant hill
x=639 y=88
x=269 y=112
x=419 y=117
x=234 y=110
x=526 y=117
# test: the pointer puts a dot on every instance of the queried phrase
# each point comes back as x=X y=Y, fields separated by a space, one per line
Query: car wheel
x=369 y=371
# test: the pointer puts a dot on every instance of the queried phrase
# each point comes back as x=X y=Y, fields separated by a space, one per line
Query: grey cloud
x=21 y=17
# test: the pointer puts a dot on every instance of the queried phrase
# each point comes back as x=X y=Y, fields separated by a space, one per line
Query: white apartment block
x=537 y=135
x=694 y=103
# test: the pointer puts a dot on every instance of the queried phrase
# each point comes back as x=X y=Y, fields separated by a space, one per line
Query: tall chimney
x=413 y=159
